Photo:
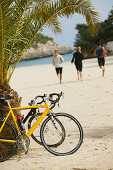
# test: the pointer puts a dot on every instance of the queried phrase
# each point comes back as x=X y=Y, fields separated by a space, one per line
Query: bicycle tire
x=37 y=138
x=70 y=124
x=7 y=149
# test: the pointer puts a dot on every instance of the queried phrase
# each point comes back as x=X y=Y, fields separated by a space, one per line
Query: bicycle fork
x=55 y=125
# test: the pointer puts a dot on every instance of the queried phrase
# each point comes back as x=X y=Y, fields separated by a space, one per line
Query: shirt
x=77 y=58
x=57 y=61
x=99 y=52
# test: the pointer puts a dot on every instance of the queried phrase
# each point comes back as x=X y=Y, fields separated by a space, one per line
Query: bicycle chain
x=21 y=139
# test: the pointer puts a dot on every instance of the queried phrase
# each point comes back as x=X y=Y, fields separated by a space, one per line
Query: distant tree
x=84 y=39
x=105 y=33
x=110 y=16
x=89 y=41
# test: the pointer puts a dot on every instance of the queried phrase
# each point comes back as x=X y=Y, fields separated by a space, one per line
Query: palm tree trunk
x=15 y=102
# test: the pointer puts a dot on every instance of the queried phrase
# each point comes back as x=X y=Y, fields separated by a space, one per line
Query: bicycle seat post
x=8 y=103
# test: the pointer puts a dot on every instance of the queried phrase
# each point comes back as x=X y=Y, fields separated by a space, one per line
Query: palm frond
x=2 y=57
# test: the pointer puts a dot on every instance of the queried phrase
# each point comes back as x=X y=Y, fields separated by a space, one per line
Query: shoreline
x=109 y=58
x=50 y=57
x=45 y=50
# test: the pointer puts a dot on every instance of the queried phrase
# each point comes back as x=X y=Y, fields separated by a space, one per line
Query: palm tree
x=20 y=23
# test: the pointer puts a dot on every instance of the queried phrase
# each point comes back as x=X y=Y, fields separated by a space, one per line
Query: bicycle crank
x=23 y=142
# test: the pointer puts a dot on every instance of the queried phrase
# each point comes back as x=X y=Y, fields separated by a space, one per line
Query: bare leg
x=80 y=75
x=103 y=70
x=58 y=74
x=60 y=78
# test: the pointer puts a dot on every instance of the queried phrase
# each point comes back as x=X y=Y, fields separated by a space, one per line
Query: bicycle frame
x=47 y=110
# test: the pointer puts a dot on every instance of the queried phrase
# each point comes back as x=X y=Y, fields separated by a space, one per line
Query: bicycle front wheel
x=7 y=149
x=36 y=134
x=73 y=136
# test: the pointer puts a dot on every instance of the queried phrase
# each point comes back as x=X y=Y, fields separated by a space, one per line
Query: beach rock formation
x=109 y=48
x=45 y=50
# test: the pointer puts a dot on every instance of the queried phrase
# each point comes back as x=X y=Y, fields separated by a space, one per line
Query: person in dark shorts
x=59 y=70
x=57 y=62
x=101 y=54
x=77 y=59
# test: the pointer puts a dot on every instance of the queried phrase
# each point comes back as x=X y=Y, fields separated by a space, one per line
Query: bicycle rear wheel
x=7 y=149
x=36 y=134
x=73 y=135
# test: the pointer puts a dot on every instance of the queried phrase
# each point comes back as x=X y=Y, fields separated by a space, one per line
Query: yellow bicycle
x=60 y=133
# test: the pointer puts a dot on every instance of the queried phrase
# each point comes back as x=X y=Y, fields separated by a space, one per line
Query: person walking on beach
x=101 y=54
x=57 y=62
x=77 y=59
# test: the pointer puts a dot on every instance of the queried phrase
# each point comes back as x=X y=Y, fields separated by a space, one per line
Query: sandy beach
x=90 y=101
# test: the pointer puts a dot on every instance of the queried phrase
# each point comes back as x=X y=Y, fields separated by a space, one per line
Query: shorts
x=58 y=70
x=101 y=61
x=79 y=67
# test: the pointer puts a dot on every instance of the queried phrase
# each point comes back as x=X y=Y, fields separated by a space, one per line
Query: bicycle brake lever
x=31 y=103
x=58 y=105
x=62 y=94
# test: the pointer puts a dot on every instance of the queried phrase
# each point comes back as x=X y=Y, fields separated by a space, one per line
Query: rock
x=109 y=48
x=45 y=50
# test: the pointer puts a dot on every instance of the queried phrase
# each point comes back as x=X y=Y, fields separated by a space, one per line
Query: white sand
x=90 y=101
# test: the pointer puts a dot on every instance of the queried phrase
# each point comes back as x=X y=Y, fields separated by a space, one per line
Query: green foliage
x=84 y=39
x=110 y=17
x=106 y=32
x=40 y=39
x=88 y=41
x=22 y=20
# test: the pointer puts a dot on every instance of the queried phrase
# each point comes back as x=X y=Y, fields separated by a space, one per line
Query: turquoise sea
x=41 y=61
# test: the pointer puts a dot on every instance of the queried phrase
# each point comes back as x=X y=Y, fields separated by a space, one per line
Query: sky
x=67 y=37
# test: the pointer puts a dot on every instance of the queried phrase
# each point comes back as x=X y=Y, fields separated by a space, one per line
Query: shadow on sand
x=99 y=132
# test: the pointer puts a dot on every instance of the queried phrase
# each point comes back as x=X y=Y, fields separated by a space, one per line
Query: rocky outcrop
x=109 y=48
x=45 y=50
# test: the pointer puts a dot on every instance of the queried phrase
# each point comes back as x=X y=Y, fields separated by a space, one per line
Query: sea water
x=41 y=61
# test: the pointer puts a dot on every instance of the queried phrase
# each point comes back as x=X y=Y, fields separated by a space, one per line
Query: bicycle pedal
x=26 y=152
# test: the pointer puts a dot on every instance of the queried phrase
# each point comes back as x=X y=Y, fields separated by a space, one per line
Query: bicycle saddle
x=6 y=98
